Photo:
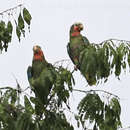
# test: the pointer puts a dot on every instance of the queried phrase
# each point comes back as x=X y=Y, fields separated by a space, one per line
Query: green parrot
x=80 y=53
x=41 y=75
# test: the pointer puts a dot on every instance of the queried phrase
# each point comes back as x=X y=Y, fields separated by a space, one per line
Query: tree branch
x=125 y=128
x=113 y=39
x=11 y=9
x=61 y=61
x=96 y=91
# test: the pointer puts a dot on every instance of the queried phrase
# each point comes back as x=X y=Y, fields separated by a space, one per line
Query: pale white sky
x=50 y=29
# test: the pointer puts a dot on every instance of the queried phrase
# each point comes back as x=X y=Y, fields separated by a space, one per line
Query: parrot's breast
x=37 y=67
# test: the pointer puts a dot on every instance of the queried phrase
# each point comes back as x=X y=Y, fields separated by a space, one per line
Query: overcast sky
x=102 y=19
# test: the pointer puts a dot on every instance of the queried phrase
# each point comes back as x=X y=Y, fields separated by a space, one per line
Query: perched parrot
x=78 y=52
x=41 y=75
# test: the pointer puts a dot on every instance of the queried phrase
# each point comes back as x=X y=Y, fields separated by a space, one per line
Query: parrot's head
x=38 y=53
x=76 y=29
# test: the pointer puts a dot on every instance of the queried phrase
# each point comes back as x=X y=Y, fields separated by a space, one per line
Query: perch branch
x=112 y=39
x=125 y=128
x=96 y=91
x=60 y=61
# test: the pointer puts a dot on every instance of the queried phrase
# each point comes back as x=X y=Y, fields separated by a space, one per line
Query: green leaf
x=28 y=106
x=13 y=97
x=2 y=30
x=2 y=25
x=18 y=32
x=10 y=27
x=27 y=17
x=128 y=59
x=1 y=47
x=21 y=24
x=115 y=106
x=25 y=122
x=33 y=100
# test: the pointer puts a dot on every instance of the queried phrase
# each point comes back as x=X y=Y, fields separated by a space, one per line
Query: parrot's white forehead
x=78 y=23
x=36 y=47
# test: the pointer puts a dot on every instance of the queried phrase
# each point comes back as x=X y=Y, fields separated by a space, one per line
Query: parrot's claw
x=76 y=67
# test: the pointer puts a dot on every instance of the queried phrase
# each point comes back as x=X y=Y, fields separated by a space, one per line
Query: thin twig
x=112 y=39
x=18 y=86
x=15 y=89
x=11 y=9
x=96 y=91
x=25 y=89
x=6 y=88
x=125 y=128
x=61 y=61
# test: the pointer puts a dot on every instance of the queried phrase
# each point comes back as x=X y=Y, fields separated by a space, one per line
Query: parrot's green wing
x=70 y=52
x=86 y=41
x=87 y=68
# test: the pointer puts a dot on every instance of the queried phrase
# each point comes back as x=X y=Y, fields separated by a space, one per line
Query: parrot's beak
x=35 y=49
x=81 y=27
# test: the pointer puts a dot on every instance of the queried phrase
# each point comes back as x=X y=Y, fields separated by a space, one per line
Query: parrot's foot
x=76 y=67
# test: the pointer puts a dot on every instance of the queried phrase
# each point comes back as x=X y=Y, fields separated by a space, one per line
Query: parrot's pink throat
x=74 y=34
x=38 y=56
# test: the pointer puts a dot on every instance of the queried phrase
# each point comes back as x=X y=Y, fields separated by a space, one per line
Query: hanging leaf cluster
x=102 y=60
x=57 y=121
x=105 y=116
x=23 y=18
x=15 y=116
x=9 y=109
x=63 y=85
x=5 y=34
x=7 y=28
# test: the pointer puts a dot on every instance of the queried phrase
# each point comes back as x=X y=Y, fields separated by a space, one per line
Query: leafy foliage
x=5 y=34
x=57 y=121
x=34 y=114
x=63 y=85
x=26 y=117
x=9 y=109
x=6 y=29
x=105 y=116
x=60 y=92
x=102 y=60
x=27 y=17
